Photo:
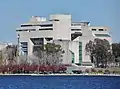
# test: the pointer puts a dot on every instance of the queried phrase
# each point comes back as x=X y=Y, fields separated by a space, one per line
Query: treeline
x=103 y=54
x=44 y=58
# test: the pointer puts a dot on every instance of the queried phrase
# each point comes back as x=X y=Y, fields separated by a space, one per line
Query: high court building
x=60 y=29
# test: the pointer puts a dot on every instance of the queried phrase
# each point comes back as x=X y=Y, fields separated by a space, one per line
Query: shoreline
x=60 y=75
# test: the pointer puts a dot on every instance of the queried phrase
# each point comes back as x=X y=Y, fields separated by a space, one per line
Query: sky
x=97 y=12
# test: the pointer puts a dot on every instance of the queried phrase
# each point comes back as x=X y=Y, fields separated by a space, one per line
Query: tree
x=1 y=57
x=23 y=60
x=49 y=54
x=117 y=60
x=100 y=52
x=53 y=53
x=116 y=52
x=10 y=54
x=116 y=49
x=38 y=56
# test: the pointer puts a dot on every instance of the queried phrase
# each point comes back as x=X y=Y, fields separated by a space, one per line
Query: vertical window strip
x=73 y=57
x=80 y=53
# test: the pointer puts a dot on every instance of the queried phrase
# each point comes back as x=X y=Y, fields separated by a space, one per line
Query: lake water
x=59 y=82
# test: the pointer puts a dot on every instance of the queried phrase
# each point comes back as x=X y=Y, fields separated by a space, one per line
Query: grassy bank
x=114 y=70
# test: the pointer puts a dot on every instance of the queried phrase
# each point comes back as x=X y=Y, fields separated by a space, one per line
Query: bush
x=93 y=70
x=107 y=71
x=100 y=71
x=116 y=72
x=87 y=70
x=77 y=71
x=32 y=68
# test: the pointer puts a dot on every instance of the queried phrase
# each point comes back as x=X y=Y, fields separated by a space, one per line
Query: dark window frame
x=24 y=48
x=43 y=29
x=41 y=25
x=94 y=29
x=102 y=35
x=76 y=29
x=22 y=30
x=101 y=29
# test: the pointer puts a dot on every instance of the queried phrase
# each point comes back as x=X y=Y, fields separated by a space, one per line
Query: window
x=49 y=39
x=24 y=47
x=46 y=29
x=75 y=35
x=73 y=57
x=54 y=20
x=26 y=30
x=42 y=25
x=37 y=41
x=93 y=29
x=32 y=30
x=26 y=25
x=101 y=30
x=21 y=30
x=80 y=52
x=46 y=25
x=102 y=35
x=75 y=29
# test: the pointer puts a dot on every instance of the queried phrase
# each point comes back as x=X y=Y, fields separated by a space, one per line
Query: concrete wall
x=74 y=47
x=62 y=27
x=105 y=31
x=85 y=38
x=65 y=46
x=25 y=37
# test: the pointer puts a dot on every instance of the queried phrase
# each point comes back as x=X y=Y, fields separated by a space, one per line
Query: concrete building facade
x=72 y=36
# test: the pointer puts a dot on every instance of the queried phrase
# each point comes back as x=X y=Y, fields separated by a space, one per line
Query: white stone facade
x=72 y=36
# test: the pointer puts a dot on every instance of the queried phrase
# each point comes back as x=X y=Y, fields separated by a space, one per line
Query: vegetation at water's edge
x=98 y=71
x=13 y=69
x=48 y=59
x=103 y=55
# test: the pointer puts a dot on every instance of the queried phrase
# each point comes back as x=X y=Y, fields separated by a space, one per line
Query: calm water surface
x=59 y=82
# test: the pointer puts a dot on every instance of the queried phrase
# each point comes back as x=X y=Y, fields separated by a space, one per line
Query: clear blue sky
x=98 y=12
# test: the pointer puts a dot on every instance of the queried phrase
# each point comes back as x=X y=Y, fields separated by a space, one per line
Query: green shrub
x=116 y=72
x=93 y=70
x=107 y=71
x=87 y=71
x=77 y=71
x=100 y=71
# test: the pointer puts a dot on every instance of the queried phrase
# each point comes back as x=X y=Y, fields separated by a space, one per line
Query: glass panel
x=80 y=52
x=75 y=29
x=73 y=57
x=24 y=47
x=102 y=35
x=101 y=30
x=93 y=29
x=46 y=29
x=37 y=41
